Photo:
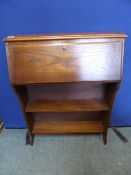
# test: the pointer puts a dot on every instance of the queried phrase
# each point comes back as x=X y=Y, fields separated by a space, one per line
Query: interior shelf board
x=67 y=105
x=67 y=127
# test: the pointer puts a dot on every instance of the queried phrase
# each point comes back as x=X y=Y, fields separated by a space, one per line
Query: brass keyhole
x=63 y=48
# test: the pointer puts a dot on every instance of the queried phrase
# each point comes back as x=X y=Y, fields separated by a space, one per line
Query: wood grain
x=66 y=91
x=64 y=36
x=67 y=105
x=67 y=116
x=67 y=127
x=64 y=61
x=70 y=122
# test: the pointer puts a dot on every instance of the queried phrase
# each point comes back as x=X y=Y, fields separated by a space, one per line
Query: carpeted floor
x=64 y=154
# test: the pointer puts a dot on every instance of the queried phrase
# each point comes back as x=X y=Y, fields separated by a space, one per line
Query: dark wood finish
x=66 y=83
x=29 y=138
x=65 y=60
x=59 y=36
x=67 y=106
x=66 y=91
x=23 y=98
x=110 y=96
x=66 y=116
x=69 y=122
x=68 y=127
x=1 y=126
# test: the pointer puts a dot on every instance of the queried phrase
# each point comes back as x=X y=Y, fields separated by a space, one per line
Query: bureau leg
x=29 y=138
x=105 y=137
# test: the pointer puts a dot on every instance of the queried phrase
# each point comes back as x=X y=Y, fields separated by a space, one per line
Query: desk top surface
x=57 y=36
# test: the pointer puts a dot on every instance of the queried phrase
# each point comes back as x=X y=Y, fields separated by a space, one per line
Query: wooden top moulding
x=64 y=36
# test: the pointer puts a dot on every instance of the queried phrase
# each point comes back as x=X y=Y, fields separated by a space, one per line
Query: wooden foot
x=1 y=126
x=105 y=138
x=29 y=138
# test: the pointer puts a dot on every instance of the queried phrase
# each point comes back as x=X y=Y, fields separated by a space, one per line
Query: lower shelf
x=67 y=127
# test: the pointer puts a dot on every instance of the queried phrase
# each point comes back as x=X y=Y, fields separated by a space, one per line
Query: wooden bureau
x=66 y=83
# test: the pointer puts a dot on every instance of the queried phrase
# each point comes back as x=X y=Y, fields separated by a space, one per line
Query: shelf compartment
x=67 y=105
x=66 y=91
x=62 y=123
x=68 y=127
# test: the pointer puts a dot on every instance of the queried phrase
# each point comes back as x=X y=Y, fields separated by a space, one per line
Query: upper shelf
x=58 y=36
x=67 y=105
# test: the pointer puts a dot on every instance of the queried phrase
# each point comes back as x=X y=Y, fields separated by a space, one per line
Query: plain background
x=49 y=16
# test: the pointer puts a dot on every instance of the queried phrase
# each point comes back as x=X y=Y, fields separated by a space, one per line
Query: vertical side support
x=1 y=126
x=111 y=90
x=29 y=138
x=22 y=94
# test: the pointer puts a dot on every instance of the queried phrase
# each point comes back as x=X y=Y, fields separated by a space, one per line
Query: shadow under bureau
x=66 y=83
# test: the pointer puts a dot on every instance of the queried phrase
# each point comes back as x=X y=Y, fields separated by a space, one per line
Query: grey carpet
x=64 y=155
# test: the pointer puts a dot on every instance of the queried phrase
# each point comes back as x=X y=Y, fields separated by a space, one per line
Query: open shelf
x=54 y=123
x=68 y=127
x=66 y=108
x=66 y=97
x=66 y=105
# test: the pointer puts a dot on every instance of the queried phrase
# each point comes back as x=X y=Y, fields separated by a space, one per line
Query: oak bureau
x=66 y=83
